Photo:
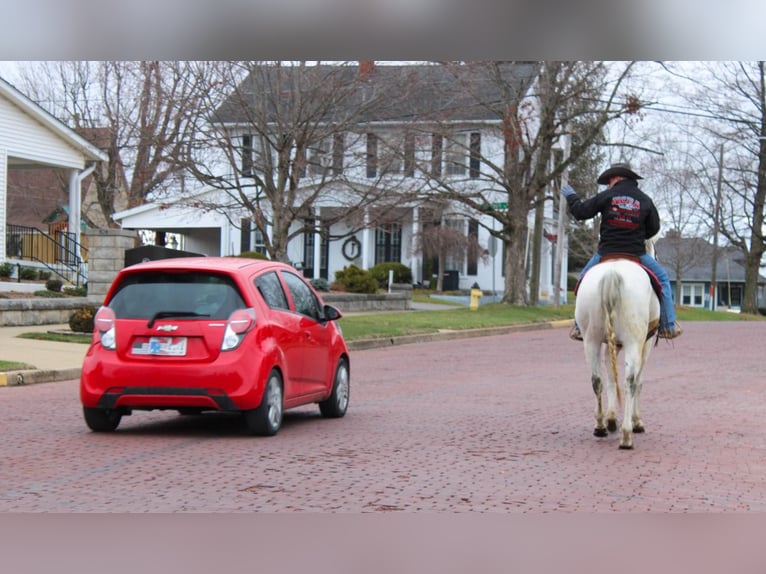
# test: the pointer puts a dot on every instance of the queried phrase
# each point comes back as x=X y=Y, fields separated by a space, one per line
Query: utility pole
x=716 y=226
x=562 y=228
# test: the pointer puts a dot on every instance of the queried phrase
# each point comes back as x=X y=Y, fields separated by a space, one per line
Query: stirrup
x=575 y=333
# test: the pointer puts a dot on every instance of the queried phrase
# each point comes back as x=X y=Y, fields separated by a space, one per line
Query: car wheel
x=336 y=404
x=101 y=420
x=267 y=418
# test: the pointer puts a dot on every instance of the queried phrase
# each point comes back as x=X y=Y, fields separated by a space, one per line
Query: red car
x=214 y=333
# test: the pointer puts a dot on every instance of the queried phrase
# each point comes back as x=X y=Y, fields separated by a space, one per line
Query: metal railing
x=59 y=253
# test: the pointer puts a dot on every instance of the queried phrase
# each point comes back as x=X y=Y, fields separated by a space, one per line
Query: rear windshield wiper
x=164 y=314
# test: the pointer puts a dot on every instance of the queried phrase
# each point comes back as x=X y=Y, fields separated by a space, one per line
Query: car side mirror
x=331 y=313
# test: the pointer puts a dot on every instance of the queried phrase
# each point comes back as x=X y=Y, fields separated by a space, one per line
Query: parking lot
x=499 y=424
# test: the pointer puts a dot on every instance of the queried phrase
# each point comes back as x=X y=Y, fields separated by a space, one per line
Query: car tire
x=267 y=418
x=336 y=404
x=101 y=420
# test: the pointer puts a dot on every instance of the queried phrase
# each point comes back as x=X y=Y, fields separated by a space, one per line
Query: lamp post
x=716 y=225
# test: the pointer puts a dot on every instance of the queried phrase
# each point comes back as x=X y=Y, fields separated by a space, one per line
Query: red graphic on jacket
x=624 y=211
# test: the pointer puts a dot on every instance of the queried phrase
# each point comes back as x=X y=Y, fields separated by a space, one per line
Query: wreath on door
x=352 y=248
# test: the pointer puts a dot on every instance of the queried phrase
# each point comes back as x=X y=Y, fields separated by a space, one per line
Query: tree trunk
x=515 y=265
x=750 y=295
x=537 y=246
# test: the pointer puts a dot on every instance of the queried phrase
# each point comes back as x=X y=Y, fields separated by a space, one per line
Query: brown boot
x=575 y=333
x=672 y=333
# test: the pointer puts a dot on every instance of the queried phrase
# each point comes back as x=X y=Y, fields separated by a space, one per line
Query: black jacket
x=628 y=217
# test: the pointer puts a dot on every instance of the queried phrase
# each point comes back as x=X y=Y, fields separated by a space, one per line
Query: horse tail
x=611 y=297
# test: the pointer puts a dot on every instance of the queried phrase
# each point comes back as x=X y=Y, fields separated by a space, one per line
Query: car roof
x=225 y=264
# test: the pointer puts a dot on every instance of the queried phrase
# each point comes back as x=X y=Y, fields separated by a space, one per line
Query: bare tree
x=732 y=98
x=146 y=109
x=566 y=98
x=442 y=241
x=292 y=139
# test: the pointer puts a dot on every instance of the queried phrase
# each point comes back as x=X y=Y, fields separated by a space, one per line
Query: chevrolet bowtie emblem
x=167 y=327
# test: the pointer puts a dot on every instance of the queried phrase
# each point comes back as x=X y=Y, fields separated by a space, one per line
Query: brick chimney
x=366 y=69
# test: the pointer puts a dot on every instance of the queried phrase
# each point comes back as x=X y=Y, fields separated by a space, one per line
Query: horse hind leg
x=600 y=429
x=593 y=352
x=638 y=424
x=628 y=421
x=611 y=398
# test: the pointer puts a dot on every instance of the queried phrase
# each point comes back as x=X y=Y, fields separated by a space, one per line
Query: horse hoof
x=626 y=447
x=639 y=428
x=599 y=432
x=611 y=425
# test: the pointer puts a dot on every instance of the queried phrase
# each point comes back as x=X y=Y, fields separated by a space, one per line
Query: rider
x=628 y=218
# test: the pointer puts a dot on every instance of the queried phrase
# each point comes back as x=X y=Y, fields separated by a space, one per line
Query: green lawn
x=13 y=366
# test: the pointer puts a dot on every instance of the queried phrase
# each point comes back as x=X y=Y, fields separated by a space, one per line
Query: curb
x=29 y=377
x=363 y=344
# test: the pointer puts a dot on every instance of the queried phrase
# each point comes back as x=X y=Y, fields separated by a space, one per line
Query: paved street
x=499 y=424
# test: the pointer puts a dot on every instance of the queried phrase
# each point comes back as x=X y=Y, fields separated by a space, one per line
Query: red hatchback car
x=214 y=333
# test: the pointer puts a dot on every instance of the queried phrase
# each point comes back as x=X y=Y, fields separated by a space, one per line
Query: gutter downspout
x=75 y=203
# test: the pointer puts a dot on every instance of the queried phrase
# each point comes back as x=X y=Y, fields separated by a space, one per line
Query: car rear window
x=198 y=294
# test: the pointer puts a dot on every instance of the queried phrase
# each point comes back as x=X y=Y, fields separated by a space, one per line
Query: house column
x=367 y=243
x=75 y=201
x=3 y=194
x=317 y=243
x=414 y=260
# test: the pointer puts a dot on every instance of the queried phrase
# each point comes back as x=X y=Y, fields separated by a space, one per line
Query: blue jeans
x=668 y=311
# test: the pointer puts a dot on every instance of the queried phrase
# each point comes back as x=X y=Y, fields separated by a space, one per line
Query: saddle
x=656 y=285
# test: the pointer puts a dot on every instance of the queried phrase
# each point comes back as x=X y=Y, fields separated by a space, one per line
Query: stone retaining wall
x=20 y=312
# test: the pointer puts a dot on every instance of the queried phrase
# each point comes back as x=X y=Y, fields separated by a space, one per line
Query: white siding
x=25 y=138
x=3 y=194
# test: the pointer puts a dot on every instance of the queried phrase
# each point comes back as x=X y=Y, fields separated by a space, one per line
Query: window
x=455 y=154
x=453 y=260
x=305 y=302
x=244 y=237
x=388 y=243
x=409 y=154
x=473 y=258
x=436 y=155
x=474 y=162
x=390 y=156
x=260 y=242
x=270 y=288
x=247 y=155
x=256 y=154
x=187 y=296
x=338 y=150
x=320 y=158
x=692 y=294
x=372 y=155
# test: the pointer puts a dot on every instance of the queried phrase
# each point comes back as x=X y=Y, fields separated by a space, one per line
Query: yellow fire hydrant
x=475 y=296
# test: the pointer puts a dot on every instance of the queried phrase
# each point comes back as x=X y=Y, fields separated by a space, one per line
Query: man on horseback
x=628 y=218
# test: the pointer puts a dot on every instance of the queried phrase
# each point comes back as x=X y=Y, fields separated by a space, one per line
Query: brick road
x=499 y=424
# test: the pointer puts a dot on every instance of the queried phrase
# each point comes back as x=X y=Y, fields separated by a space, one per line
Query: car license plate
x=161 y=346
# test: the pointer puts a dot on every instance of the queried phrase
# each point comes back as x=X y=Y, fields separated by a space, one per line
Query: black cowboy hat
x=617 y=169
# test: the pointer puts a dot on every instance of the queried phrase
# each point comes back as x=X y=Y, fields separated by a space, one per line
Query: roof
x=400 y=92
x=695 y=256
x=87 y=149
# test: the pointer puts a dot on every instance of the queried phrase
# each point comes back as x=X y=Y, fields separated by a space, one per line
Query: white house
x=32 y=138
x=422 y=148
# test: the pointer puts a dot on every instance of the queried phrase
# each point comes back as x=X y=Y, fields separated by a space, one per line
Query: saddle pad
x=656 y=285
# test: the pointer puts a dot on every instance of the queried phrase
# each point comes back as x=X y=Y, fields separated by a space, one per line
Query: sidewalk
x=52 y=361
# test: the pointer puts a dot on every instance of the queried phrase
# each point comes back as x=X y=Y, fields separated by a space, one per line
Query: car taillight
x=238 y=325
x=104 y=327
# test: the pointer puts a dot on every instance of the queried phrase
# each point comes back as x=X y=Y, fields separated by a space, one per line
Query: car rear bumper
x=231 y=383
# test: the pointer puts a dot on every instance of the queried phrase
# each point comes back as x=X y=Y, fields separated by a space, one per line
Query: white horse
x=616 y=306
